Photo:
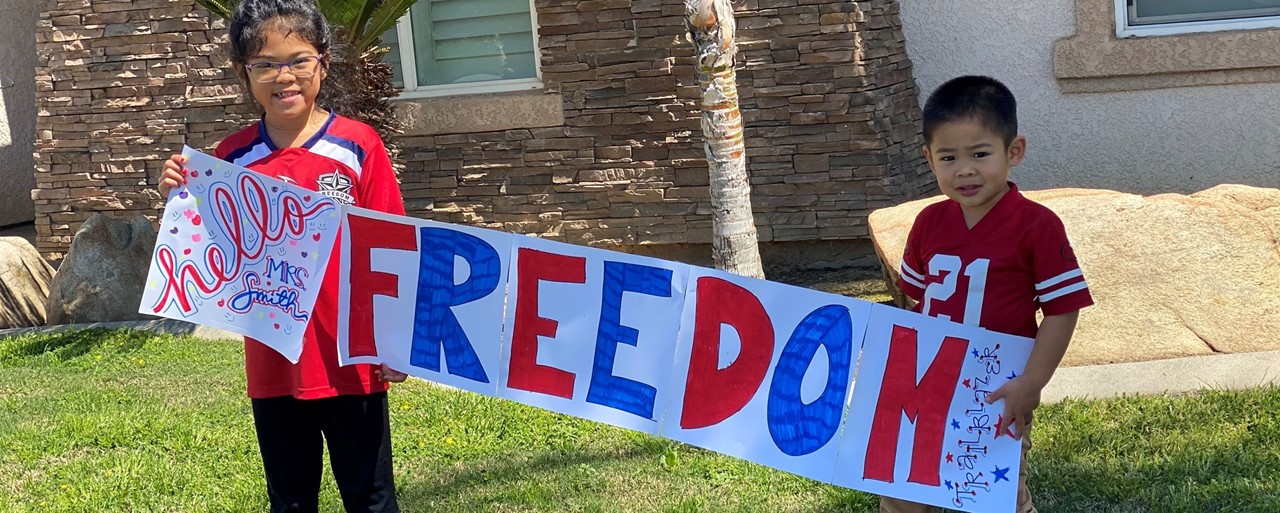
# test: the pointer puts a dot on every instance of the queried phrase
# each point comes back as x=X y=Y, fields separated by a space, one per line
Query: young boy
x=990 y=257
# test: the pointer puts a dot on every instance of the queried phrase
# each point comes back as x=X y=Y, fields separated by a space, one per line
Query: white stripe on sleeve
x=906 y=269
x=1044 y=298
x=1059 y=279
x=912 y=281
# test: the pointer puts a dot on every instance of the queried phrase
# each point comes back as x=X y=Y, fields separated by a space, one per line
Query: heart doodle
x=195 y=237
x=195 y=220
x=293 y=242
x=173 y=231
x=222 y=302
x=272 y=315
x=195 y=174
x=306 y=198
x=188 y=213
x=315 y=237
x=182 y=194
x=304 y=254
x=208 y=172
x=275 y=189
x=277 y=325
x=186 y=251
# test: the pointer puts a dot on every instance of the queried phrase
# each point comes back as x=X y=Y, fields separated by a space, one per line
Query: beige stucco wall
x=17 y=110
x=1171 y=139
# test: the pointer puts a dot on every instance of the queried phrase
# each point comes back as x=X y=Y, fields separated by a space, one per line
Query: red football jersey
x=346 y=161
x=1016 y=260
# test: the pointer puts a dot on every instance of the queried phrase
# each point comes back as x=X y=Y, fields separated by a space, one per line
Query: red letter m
x=925 y=405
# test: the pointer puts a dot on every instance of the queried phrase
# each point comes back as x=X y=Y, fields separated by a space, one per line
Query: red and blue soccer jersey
x=346 y=161
x=997 y=274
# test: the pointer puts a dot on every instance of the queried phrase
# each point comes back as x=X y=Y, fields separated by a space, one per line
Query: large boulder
x=102 y=277
x=1172 y=275
x=24 y=284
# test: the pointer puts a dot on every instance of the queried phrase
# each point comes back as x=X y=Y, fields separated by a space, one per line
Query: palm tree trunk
x=734 y=244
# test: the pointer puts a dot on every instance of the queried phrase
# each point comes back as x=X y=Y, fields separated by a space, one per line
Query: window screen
x=1154 y=12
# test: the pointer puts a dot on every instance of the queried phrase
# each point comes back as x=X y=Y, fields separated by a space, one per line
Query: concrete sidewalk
x=155 y=326
x=1177 y=375
x=1173 y=376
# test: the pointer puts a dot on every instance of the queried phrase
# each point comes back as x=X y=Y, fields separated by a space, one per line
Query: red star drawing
x=949 y=457
x=966 y=383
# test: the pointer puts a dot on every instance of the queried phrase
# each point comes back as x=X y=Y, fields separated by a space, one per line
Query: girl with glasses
x=280 y=50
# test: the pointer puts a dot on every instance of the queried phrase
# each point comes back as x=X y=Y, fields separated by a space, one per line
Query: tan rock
x=102 y=277
x=24 y=284
x=1171 y=275
x=1265 y=202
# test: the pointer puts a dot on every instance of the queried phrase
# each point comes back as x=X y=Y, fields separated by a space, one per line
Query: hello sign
x=241 y=252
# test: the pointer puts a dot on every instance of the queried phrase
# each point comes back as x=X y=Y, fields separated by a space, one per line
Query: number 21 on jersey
x=948 y=269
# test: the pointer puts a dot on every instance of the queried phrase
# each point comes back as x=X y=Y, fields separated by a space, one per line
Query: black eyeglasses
x=302 y=67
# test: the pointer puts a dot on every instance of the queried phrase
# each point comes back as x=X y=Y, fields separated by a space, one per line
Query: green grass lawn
x=131 y=421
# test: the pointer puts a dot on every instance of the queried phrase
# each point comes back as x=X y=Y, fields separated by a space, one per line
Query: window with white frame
x=444 y=47
x=1166 y=17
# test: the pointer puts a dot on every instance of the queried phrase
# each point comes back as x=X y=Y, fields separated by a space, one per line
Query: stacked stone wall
x=827 y=96
x=121 y=85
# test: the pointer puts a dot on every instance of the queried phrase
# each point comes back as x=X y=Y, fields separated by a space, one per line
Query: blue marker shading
x=434 y=324
x=797 y=428
x=606 y=389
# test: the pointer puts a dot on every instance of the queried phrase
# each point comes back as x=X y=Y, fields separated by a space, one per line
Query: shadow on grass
x=67 y=345
x=541 y=484
x=482 y=485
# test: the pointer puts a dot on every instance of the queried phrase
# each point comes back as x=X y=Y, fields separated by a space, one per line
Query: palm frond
x=363 y=19
x=219 y=8
x=381 y=20
x=342 y=14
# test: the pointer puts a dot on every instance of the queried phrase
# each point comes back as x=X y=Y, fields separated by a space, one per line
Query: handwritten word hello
x=251 y=221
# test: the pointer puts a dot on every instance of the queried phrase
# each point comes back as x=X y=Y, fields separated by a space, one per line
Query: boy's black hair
x=981 y=99
x=300 y=18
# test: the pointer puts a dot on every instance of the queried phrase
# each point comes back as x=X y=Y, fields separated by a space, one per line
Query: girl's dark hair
x=981 y=99
x=252 y=18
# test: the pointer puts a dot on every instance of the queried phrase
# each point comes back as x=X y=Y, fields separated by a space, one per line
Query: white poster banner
x=242 y=252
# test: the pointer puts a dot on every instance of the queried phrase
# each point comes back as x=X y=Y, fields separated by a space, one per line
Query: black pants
x=291 y=433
